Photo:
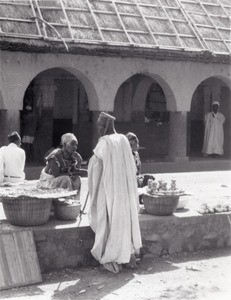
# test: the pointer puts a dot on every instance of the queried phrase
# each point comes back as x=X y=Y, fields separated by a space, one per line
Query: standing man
x=1 y=168
x=13 y=159
x=29 y=130
x=113 y=213
x=214 y=132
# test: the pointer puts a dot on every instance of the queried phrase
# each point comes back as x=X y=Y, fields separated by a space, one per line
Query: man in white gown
x=114 y=205
x=214 y=132
x=12 y=160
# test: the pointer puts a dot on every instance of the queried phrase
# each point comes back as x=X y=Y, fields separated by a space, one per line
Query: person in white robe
x=12 y=160
x=114 y=203
x=214 y=132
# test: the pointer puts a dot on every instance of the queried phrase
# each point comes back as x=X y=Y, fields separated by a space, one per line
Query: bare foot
x=112 y=267
x=132 y=263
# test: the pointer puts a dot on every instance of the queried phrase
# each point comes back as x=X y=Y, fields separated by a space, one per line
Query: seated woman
x=134 y=142
x=62 y=168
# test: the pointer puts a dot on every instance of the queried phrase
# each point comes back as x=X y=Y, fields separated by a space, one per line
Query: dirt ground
x=201 y=275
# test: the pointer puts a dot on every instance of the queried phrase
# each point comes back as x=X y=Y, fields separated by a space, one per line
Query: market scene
x=115 y=149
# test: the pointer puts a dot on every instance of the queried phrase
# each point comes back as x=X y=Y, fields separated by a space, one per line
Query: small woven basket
x=164 y=205
x=67 y=212
x=26 y=211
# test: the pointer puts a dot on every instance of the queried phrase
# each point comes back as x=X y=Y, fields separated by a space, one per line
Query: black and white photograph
x=115 y=149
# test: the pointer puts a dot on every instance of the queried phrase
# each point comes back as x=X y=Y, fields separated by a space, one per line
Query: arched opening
x=211 y=89
x=141 y=107
x=59 y=103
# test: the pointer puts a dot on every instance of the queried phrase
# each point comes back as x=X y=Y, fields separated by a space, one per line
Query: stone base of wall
x=173 y=234
x=62 y=244
x=68 y=244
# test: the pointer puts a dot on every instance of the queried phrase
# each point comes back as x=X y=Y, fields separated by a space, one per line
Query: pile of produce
x=66 y=202
x=205 y=208
x=35 y=192
x=161 y=188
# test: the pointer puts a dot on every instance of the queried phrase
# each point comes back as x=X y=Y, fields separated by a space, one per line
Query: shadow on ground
x=96 y=283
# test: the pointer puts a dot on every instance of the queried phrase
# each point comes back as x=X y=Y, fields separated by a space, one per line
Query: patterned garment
x=66 y=166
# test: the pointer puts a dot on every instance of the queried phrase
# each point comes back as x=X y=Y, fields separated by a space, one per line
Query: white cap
x=28 y=107
x=216 y=103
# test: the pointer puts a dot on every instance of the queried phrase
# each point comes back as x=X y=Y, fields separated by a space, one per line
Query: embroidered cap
x=106 y=116
x=216 y=103
x=13 y=136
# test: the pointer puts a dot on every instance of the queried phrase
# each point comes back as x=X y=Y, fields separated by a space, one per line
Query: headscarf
x=131 y=136
x=67 y=138
x=216 y=103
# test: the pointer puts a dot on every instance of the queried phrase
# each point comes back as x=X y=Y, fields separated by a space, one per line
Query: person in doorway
x=1 y=169
x=114 y=205
x=29 y=130
x=12 y=159
x=63 y=164
x=214 y=132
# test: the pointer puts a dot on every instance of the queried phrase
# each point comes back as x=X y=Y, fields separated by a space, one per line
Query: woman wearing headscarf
x=114 y=204
x=62 y=168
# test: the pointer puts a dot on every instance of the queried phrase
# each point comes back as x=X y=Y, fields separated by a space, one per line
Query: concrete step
x=62 y=244
x=67 y=244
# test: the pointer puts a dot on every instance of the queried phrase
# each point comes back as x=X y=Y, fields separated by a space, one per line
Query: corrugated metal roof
x=192 y=25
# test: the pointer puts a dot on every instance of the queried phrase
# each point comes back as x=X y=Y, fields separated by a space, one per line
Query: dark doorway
x=60 y=127
x=197 y=136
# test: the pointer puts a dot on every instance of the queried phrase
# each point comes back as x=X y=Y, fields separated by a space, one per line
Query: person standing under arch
x=29 y=130
x=214 y=132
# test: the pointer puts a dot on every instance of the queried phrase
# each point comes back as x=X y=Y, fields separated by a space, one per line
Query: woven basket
x=67 y=212
x=26 y=211
x=163 y=205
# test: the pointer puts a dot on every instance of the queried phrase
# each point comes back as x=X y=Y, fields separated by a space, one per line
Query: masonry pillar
x=9 y=121
x=177 y=136
x=95 y=135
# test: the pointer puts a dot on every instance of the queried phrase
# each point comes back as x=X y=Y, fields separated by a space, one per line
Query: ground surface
x=203 y=187
x=204 y=275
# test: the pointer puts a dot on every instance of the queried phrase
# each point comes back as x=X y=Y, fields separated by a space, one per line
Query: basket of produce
x=159 y=200
x=28 y=205
x=66 y=209
x=26 y=211
x=160 y=205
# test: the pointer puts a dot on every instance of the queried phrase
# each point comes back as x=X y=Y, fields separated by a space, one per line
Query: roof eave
x=105 y=49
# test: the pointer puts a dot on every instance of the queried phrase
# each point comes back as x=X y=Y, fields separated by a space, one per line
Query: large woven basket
x=67 y=212
x=26 y=211
x=163 y=205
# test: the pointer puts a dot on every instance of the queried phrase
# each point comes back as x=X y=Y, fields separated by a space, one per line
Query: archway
x=59 y=101
x=141 y=106
x=209 y=90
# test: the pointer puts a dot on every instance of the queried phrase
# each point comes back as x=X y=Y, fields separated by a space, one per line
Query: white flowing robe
x=214 y=133
x=113 y=213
